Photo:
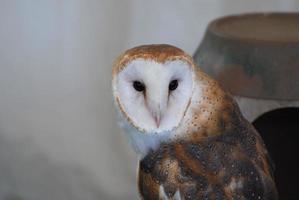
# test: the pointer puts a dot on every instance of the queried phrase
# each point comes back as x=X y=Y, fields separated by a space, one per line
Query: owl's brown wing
x=232 y=165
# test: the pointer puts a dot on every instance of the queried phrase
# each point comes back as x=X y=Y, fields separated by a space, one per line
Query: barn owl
x=191 y=139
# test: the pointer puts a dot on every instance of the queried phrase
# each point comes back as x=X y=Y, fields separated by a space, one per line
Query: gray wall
x=58 y=133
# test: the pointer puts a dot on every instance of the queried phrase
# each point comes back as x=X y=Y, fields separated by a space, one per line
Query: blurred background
x=59 y=139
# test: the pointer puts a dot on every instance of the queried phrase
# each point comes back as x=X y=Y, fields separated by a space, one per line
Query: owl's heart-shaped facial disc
x=154 y=96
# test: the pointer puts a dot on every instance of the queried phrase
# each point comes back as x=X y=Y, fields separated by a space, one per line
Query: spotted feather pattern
x=232 y=164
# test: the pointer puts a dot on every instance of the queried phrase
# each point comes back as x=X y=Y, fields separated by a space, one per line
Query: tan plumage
x=208 y=152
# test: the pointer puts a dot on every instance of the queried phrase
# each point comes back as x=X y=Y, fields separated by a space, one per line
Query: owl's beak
x=157 y=103
x=157 y=120
x=156 y=111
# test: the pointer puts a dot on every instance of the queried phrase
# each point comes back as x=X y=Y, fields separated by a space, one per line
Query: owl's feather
x=230 y=165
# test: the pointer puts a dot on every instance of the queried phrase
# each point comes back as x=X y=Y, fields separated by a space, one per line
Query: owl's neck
x=141 y=142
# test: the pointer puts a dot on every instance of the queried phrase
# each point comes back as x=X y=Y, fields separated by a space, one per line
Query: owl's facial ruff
x=154 y=96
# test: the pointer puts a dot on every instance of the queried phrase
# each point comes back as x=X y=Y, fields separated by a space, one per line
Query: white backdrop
x=59 y=138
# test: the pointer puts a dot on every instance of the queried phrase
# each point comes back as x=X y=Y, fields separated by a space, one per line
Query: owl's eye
x=173 y=85
x=138 y=86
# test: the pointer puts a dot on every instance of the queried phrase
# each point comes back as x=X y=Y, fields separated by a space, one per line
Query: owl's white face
x=153 y=96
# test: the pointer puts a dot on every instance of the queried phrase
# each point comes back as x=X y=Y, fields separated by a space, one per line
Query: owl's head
x=152 y=86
